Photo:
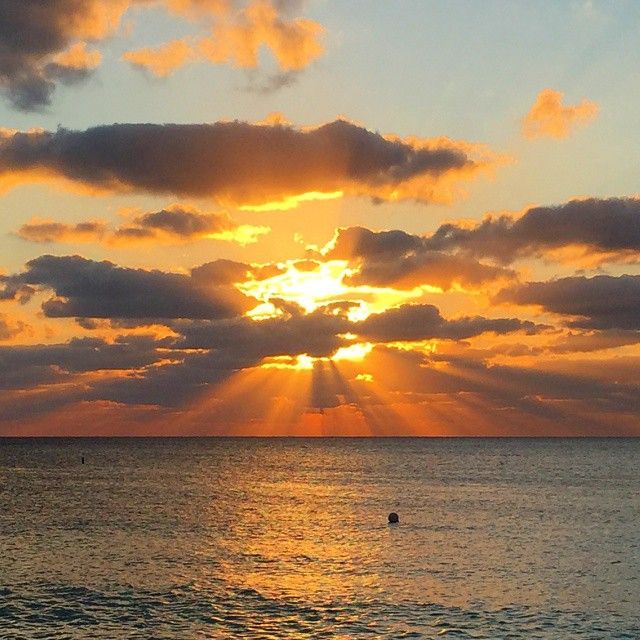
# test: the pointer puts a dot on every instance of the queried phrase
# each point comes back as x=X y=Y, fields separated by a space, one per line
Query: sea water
x=288 y=538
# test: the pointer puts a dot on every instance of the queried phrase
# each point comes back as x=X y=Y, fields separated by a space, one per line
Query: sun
x=308 y=283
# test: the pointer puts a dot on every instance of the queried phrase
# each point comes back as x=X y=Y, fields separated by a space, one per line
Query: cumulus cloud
x=223 y=271
x=549 y=118
x=404 y=261
x=412 y=322
x=294 y=43
x=42 y=43
x=161 y=61
x=176 y=223
x=242 y=163
x=601 y=302
x=44 y=363
x=609 y=228
x=237 y=35
x=316 y=334
x=89 y=289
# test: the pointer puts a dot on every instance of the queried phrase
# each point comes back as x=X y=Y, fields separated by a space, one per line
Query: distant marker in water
x=82 y=459
x=393 y=518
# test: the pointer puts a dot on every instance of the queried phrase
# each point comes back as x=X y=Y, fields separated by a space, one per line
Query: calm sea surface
x=278 y=538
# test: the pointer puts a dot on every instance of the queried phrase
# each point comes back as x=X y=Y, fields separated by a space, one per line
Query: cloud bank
x=240 y=163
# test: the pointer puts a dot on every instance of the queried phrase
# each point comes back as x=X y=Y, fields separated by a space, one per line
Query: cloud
x=601 y=302
x=294 y=43
x=89 y=289
x=412 y=322
x=46 y=231
x=221 y=272
x=404 y=261
x=45 y=43
x=176 y=223
x=45 y=363
x=42 y=43
x=316 y=334
x=609 y=227
x=237 y=36
x=73 y=65
x=161 y=61
x=242 y=164
x=10 y=328
x=549 y=118
x=585 y=342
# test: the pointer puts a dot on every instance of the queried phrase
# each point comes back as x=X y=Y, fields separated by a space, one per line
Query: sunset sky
x=289 y=217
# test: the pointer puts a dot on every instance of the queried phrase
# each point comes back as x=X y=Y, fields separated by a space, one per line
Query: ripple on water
x=68 y=611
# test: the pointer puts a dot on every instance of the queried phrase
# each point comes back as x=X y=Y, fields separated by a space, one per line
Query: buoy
x=82 y=459
x=393 y=518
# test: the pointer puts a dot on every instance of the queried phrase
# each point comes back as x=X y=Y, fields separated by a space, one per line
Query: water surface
x=287 y=538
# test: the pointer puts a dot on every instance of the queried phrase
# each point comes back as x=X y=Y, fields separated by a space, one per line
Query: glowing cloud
x=175 y=224
x=294 y=43
x=161 y=61
x=549 y=118
x=240 y=164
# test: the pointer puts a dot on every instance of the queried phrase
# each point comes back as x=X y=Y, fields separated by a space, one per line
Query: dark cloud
x=601 y=302
x=185 y=222
x=584 y=342
x=177 y=223
x=404 y=261
x=423 y=322
x=47 y=232
x=88 y=289
x=223 y=272
x=602 y=226
x=30 y=366
x=240 y=162
x=316 y=334
x=34 y=35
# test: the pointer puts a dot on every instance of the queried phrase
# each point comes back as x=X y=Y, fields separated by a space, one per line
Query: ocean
x=288 y=538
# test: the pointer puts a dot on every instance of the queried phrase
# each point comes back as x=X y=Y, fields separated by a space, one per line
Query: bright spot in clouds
x=292 y=202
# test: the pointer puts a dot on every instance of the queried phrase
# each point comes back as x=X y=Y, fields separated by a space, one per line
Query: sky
x=323 y=218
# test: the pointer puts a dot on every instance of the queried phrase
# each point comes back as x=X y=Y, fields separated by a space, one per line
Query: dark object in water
x=393 y=518
x=82 y=459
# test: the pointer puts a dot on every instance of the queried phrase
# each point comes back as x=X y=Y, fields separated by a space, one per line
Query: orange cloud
x=47 y=45
x=549 y=118
x=161 y=61
x=236 y=38
x=175 y=224
x=11 y=327
x=294 y=43
x=239 y=163
x=78 y=57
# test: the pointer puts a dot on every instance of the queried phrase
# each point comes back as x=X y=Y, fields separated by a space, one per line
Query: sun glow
x=302 y=362
x=309 y=289
x=354 y=352
x=292 y=202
